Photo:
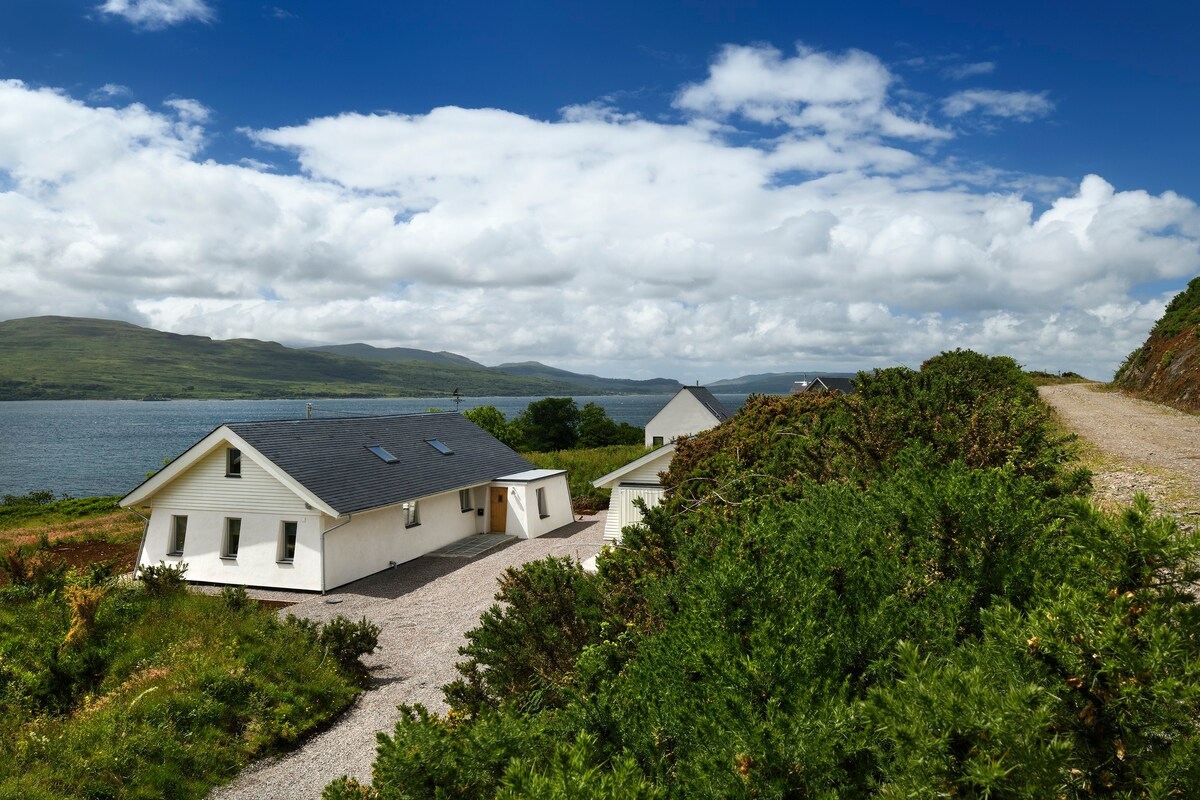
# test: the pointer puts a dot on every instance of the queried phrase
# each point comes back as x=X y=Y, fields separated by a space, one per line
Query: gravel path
x=424 y=608
x=1145 y=447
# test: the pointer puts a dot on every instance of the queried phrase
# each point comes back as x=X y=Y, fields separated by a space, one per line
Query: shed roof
x=330 y=457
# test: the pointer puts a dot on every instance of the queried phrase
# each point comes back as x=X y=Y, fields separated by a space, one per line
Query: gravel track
x=1147 y=447
x=424 y=608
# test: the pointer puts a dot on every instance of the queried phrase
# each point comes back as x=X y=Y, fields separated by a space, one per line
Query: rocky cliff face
x=1166 y=368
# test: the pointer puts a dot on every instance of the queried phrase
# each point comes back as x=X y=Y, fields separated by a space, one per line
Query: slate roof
x=330 y=458
x=709 y=401
x=843 y=385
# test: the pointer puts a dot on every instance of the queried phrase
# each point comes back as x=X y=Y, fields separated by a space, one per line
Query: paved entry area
x=424 y=607
x=473 y=546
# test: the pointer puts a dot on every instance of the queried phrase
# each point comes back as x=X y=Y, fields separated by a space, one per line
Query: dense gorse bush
x=902 y=593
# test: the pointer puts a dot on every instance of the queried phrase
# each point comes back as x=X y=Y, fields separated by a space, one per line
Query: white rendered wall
x=523 y=518
x=372 y=539
x=683 y=415
x=257 y=561
x=207 y=498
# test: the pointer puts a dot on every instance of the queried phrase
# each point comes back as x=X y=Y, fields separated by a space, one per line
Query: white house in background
x=314 y=504
x=691 y=410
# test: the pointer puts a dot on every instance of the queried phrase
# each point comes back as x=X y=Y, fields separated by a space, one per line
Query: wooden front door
x=499 y=508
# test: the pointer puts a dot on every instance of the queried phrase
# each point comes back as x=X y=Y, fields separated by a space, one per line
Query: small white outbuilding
x=693 y=409
x=314 y=504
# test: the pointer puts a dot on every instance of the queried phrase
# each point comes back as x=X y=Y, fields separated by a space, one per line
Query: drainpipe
x=142 y=543
x=327 y=530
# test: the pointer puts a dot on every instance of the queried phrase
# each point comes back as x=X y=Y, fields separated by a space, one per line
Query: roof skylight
x=441 y=448
x=383 y=454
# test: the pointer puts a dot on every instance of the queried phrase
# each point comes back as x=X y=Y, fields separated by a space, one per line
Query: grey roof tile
x=710 y=402
x=330 y=458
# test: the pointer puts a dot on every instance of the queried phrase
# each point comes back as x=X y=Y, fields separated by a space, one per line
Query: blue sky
x=688 y=189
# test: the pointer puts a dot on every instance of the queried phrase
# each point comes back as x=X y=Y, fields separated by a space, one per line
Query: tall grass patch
x=109 y=691
x=584 y=466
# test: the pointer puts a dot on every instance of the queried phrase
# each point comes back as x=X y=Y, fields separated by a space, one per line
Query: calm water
x=102 y=447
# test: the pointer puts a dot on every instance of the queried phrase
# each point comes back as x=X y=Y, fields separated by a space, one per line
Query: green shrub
x=523 y=651
x=236 y=598
x=346 y=641
x=163 y=579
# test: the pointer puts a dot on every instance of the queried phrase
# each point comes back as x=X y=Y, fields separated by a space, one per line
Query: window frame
x=232 y=536
x=282 y=556
x=177 y=534
x=540 y=493
x=465 y=502
x=412 y=514
x=657 y=441
x=233 y=463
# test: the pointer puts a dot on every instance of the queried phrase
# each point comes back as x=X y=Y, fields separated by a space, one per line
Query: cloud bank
x=792 y=215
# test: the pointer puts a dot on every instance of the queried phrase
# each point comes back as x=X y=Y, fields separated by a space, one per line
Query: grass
x=584 y=466
x=159 y=697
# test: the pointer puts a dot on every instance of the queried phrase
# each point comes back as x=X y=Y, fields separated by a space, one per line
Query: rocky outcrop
x=1166 y=369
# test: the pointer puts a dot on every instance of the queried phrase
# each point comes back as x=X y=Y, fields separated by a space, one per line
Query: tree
x=551 y=424
x=492 y=420
x=597 y=429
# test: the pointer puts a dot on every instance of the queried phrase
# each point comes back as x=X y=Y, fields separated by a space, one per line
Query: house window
x=233 y=533
x=412 y=515
x=233 y=463
x=178 y=533
x=441 y=448
x=657 y=441
x=464 y=501
x=287 y=542
x=541 y=498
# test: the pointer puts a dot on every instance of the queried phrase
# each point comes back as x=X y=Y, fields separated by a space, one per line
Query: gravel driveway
x=424 y=608
x=1146 y=447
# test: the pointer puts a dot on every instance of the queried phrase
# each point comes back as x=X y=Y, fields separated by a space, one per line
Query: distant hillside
x=1166 y=368
x=63 y=358
x=591 y=384
x=769 y=382
x=360 y=350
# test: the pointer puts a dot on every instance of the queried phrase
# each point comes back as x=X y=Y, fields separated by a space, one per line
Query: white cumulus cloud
x=599 y=240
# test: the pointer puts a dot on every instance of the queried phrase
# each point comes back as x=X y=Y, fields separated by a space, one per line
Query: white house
x=692 y=410
x=314 y=504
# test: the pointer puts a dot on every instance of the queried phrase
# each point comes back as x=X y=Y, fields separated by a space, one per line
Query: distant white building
x=692 y=410
x=314 y=504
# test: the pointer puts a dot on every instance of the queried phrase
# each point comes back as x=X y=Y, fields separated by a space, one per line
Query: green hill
x=64 y=358
x=592 y=384
x=1166 y=368
x=360 y=350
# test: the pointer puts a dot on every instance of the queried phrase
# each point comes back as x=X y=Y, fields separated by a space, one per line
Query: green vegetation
x=40 y=508
x=901 y=593
x=1041 y=378
x=585 y=465
x=117 y=690
x=556 y=423
x=62 y=358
